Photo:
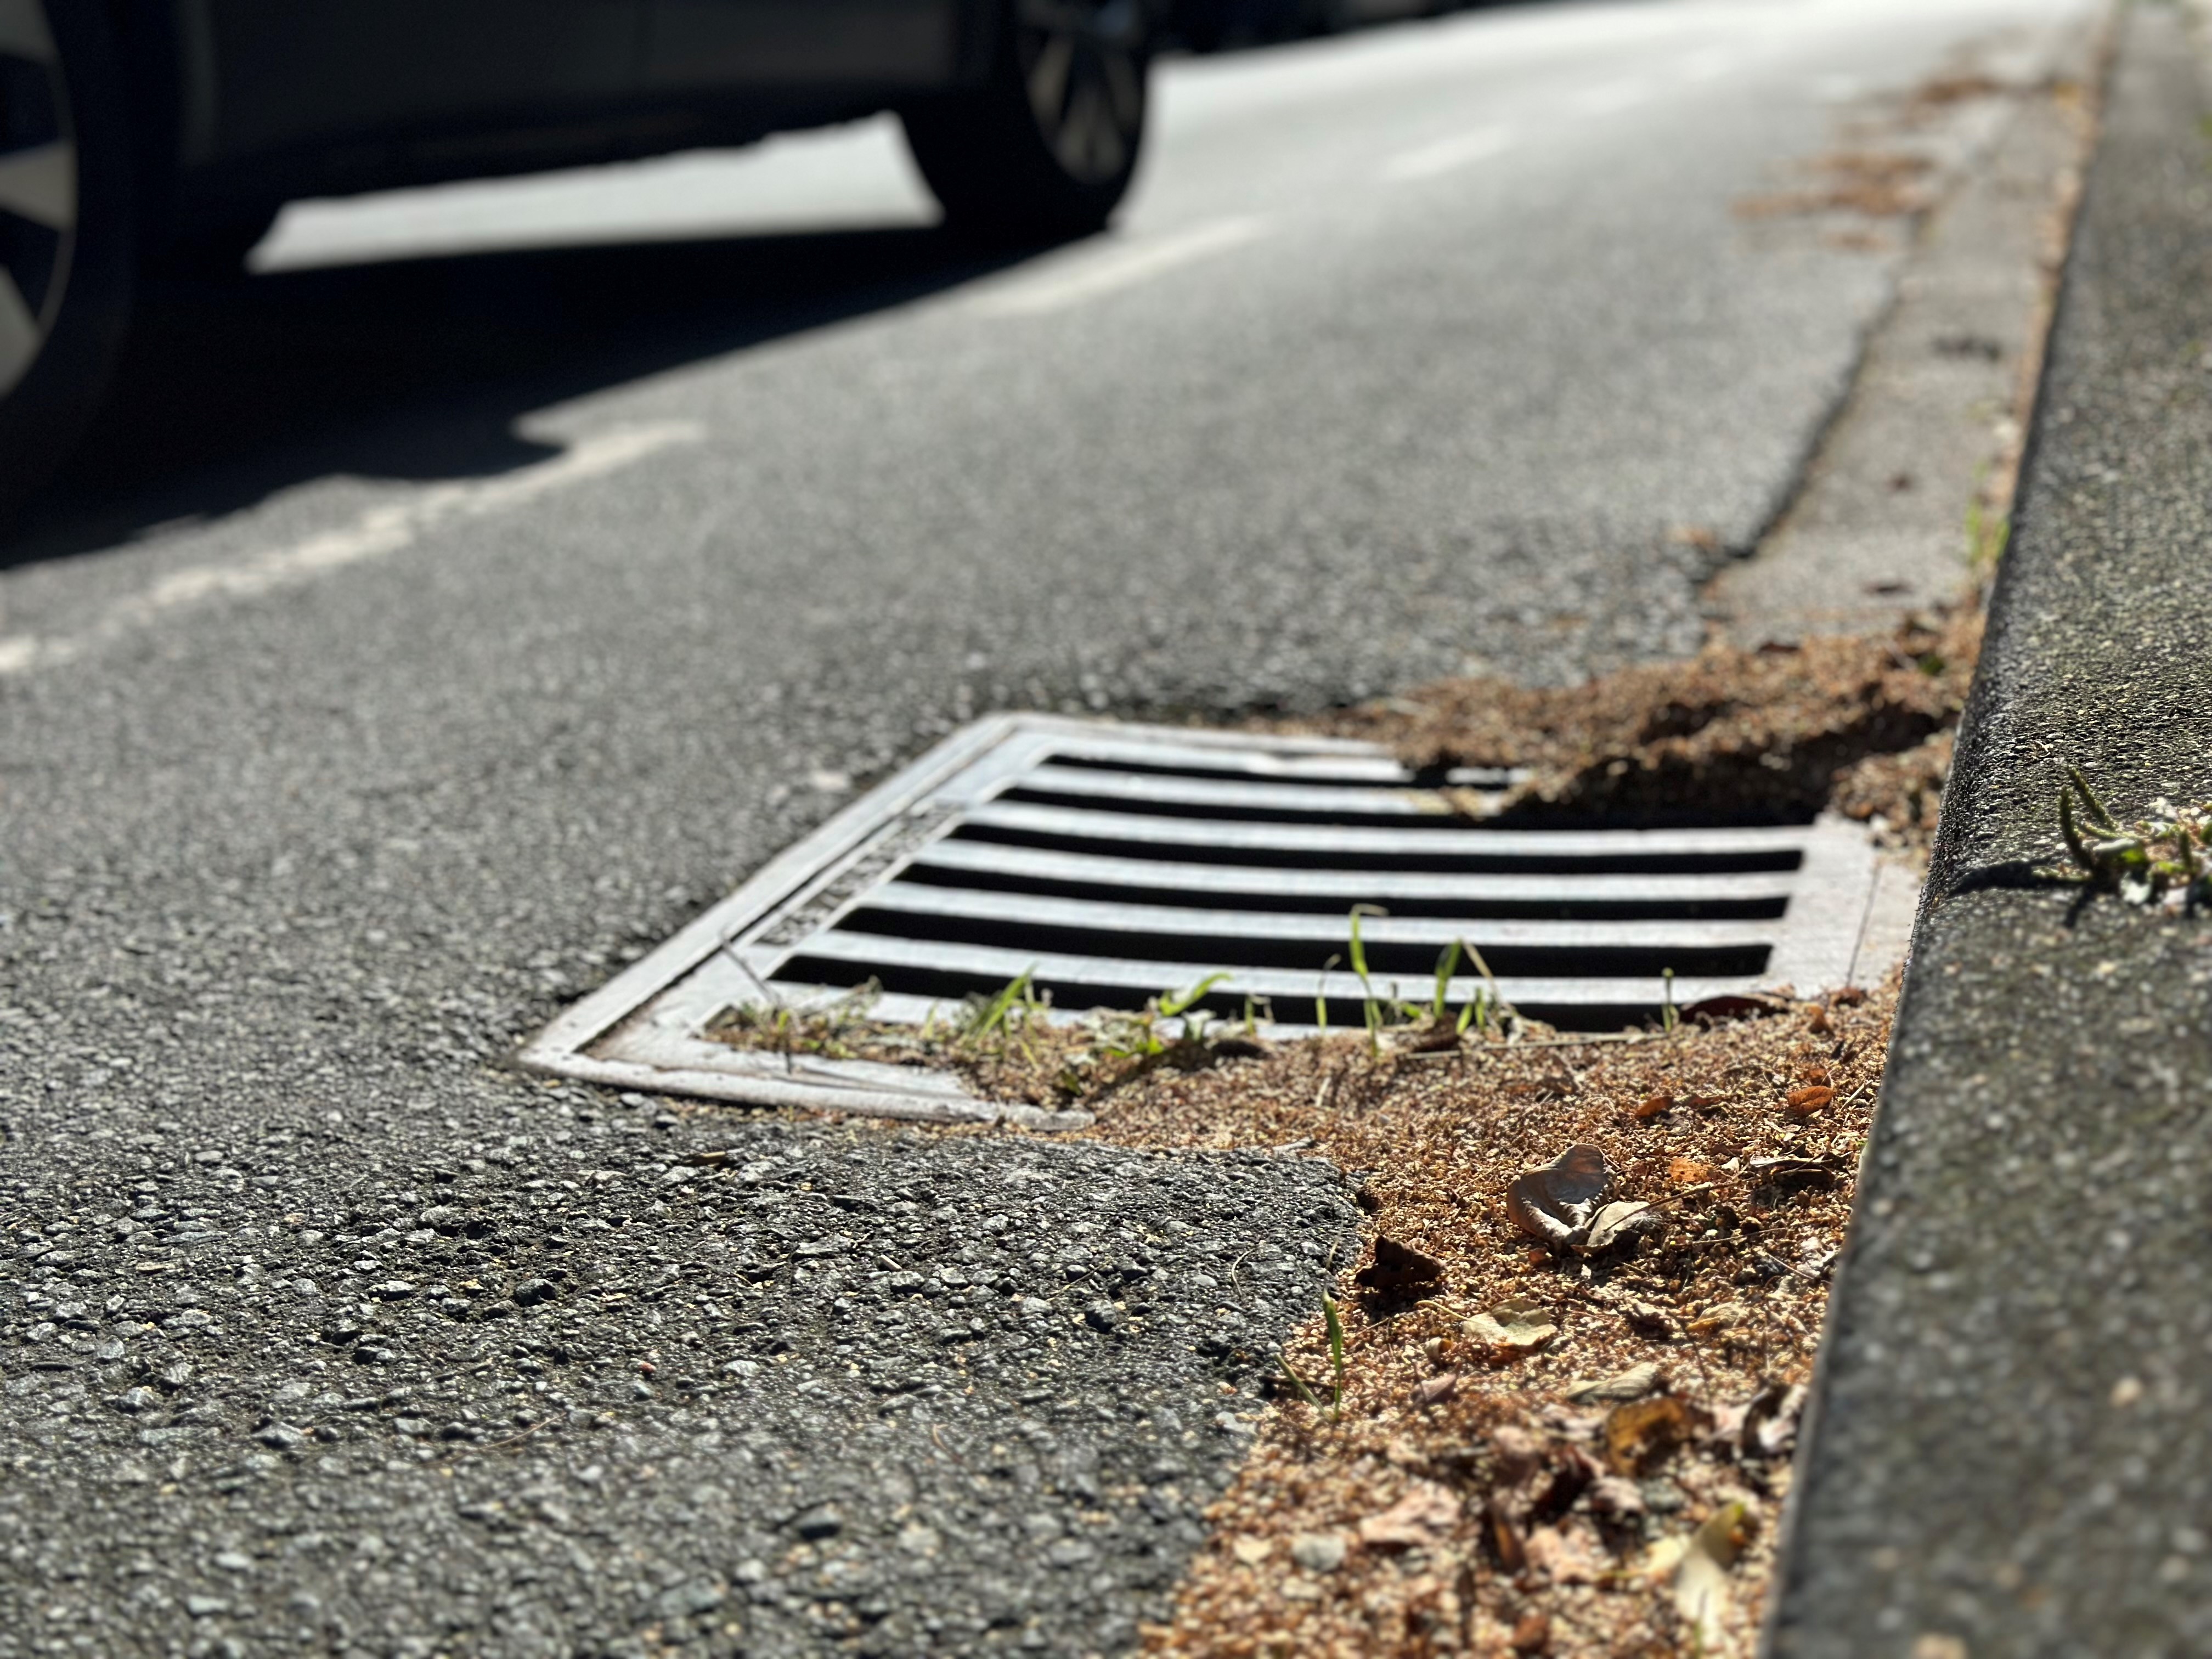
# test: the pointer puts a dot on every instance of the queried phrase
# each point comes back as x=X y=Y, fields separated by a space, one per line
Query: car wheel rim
x=38 y=188
x=1082 y=65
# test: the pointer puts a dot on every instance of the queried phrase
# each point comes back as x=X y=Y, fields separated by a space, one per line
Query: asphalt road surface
x=451 y=612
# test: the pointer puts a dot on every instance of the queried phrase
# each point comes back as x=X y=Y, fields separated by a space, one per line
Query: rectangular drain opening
x=1112 y=863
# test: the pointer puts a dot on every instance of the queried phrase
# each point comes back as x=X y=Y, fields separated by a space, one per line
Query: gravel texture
x=2012 y=1453
x=864 y=1391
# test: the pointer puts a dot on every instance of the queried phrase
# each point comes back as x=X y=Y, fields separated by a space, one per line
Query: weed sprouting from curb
x=986 y=1019
x=1430 y=1025
x=1298 y=1384
x=1988 y=534
x=1328 y=1312
x=1304 y=1390
x=1013 y=1043
x=1137 y=1037
x=2165 y=859
x=1333 y=1319
x=1373 y=1008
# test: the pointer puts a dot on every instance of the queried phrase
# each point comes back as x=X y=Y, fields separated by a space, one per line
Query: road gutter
x=2008 y=1450
x=1910 y=487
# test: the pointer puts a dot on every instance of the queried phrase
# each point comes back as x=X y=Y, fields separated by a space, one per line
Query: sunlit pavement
x=423 y=636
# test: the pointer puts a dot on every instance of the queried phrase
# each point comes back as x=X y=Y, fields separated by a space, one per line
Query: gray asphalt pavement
x=422 y=639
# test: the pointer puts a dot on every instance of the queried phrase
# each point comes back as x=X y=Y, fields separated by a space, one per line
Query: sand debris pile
x=1862 y=722
x=1558 y=1418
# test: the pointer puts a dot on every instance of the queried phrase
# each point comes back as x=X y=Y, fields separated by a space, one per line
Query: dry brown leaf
x=1424 y=1516
x=1399 y=1268
x=1616 y=1496
x=1701 y=1581
x=1722 y=1318
x=1631 y=1384
x=1532 y=1634
x=1614 y=1223
x=1567 y=1554
x=1515 y=1326
x=1807 y=1101
x=1436 y=1389
x=1505 y=1541
x=1552 y=1201
x=1641 y=1434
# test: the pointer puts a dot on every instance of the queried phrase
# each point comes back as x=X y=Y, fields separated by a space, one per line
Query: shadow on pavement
x=233 y=389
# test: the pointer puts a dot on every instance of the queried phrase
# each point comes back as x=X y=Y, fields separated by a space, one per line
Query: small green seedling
x=1373 y=1008
x=1137 y=1037
x=828 y=1029
x=1476 y=1013
x=986 y=1018
x=1668 y=1019
x=1304 y=1388
x=1335 y=1323
x=1447 y=965
x=1987 y=535
x=1494 y=1006
x=2159 y=859
x=1174 y=1005
x=1320 y=993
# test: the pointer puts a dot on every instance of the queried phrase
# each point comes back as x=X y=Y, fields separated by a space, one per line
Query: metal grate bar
x=1290 y=803
x=1754 y=848
x=1340 y=889
x=1112 y=864
x=1229 y=928
x=1370 y=771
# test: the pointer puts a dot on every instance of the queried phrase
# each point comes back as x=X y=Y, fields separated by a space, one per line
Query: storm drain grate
x=1112 y=863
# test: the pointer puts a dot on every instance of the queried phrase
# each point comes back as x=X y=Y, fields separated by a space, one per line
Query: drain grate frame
x=1115 y=861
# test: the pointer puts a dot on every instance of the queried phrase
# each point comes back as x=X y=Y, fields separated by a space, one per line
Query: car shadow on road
x=232 y=391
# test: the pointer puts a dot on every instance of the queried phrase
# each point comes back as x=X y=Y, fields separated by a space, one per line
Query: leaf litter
x=1596 y=1444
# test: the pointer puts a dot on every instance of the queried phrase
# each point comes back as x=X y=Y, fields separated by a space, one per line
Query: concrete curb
x=2011 y=1448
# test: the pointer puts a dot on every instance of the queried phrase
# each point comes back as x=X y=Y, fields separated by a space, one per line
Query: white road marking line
x=1707 y=65
x=380 y=531
x=1448 y=155
x=1611 y=98
x=1119 y=268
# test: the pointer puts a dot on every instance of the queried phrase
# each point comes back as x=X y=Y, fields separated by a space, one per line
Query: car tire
x=66 y=250
x=1044 y=148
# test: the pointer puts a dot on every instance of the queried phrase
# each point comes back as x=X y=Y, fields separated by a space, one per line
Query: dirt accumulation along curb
x=1858 y=723
x=1526 y=1446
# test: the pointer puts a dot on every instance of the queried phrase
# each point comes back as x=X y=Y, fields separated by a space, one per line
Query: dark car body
x=163 y=136
x=244 y=104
